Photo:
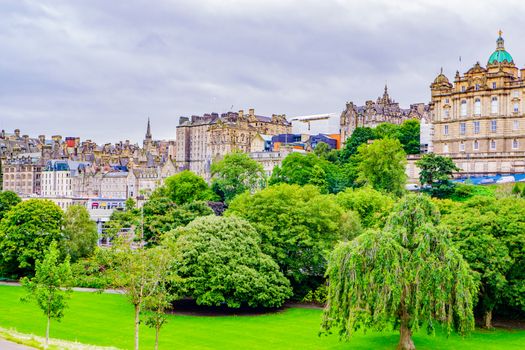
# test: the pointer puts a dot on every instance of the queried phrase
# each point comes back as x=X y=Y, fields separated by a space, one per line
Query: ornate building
x=203 y=139
x=384 y=110
x=479 y=118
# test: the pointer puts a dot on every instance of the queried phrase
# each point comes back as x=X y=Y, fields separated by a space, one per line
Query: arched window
x=477 y=106
x=494 y=106
x=462 y=147
x=476 y=145
x=463 y=111
x=515 y=144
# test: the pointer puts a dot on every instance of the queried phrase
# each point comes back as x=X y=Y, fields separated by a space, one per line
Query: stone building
x=22 y=174
x=383 y=110
x=479 y=119
x=202 y=139
x=57 y=177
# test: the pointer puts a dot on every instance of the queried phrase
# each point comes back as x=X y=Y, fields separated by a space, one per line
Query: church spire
x=148 y=132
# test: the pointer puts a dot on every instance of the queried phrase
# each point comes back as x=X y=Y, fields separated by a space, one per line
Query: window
x=494 y=85
x=515 y=144
x=447 y=100
x=492 y=145
x=445 y=148
x=476 y=145
x=516 y=93
x=494 y=105
x=477 y=106
x=476 y=127
x=477 y=87
x=516 y=125
x=516 y=107
x=462 y=128
x=447 y=112
x=493 y=125
x=462 y=147
x=463 y=88
x=463 y=111
x=445 y=130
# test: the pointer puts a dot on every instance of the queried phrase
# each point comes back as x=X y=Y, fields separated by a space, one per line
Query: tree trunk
x=157 y=329
x=487 y=319
x=46 y=344
x=137 y=323
x=405 y=339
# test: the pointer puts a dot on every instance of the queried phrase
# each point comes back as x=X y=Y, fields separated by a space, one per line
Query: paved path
x=76 y=289
x=7 y=345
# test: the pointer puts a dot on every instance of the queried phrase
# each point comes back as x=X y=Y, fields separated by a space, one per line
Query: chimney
x=2 y=134
x=17 y=133
x=26 y=138
x=241 y=113
x=522 y=73
x=251 y=112
x=42 y=138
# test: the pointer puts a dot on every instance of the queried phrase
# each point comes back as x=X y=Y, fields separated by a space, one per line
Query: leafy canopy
x=235 y=174
x=8 y=199
x=80 y=233
x=186 y=187
x=382 y=166
x=26 y=232
x=221 y=262
x=409 y=274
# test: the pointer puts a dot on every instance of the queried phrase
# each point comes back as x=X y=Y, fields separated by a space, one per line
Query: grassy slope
x=107 y=320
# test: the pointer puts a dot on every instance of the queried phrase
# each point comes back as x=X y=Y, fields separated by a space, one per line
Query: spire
x=500 y=42
x=148 y=131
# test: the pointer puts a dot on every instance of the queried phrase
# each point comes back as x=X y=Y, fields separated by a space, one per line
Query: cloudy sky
x=99 y=68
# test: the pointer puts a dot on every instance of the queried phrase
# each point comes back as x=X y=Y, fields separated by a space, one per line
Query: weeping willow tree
x=407 y=276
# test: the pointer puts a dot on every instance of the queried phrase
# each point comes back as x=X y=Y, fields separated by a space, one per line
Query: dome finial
x=441 y=71
x=500 y=33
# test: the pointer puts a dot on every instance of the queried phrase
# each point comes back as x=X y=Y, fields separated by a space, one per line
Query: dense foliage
x=8 y=200
x=408 y=275
x=298 y=227
x=235 y=174
x=186 y=187
x=436 y=172
x=26 y=232
x=382 y=166
x=80 y=233
x=373 y=207
x=221 y=262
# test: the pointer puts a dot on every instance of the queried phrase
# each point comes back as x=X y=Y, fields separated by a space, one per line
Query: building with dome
x=478 y=119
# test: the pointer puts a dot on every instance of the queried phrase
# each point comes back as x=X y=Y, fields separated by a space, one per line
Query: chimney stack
x=251 y=112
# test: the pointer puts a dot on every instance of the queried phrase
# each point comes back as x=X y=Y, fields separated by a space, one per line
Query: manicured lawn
x=107 y=320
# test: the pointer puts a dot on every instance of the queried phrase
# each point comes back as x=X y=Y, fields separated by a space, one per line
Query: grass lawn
x=107 y=320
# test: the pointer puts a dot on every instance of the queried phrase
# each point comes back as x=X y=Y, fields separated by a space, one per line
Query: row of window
x=515 y=93
x=494 y=107
x=475 y=145
x=476 y=127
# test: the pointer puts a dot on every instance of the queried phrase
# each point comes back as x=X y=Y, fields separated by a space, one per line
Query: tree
x=436 y=171
x=186 y=187
x=298 y=225
x=490 y=234
x=80 y=233
x=372 y=206
x=407 y=275
x=409 y=135
x=160 y=300
x=382 y=166
x=140 y=274
x=50 y=286
x=8 y=199
x=361 y=135
x=26 y=232
x=221 y=262
x=235 y=174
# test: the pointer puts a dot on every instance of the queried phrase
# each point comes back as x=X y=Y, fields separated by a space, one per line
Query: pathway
x=7 y=345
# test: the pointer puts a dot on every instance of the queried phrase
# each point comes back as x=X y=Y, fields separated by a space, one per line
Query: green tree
x=236 y=173
x=50 y=287
x=80 y=233
x=372 y=206
x=221 y=262
x=387 y=130
x=298 y=226
x=490 y=234
x=186 y=187
x=26 y=232
x=436 y=171
x=361 y=135
x=8 y=199
x=409 y=135
x=382 y=166
x=408 y=275
x=139 y=274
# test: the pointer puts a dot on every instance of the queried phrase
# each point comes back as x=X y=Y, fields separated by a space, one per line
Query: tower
x=148 y=139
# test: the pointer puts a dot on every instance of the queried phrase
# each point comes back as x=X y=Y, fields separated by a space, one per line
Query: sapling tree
x=50 y=286
x=408 y=275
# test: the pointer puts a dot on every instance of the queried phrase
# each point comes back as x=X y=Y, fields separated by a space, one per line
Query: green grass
x=107 y=320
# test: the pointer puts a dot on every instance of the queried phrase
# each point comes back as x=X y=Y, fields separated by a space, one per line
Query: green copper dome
x=500 y=55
